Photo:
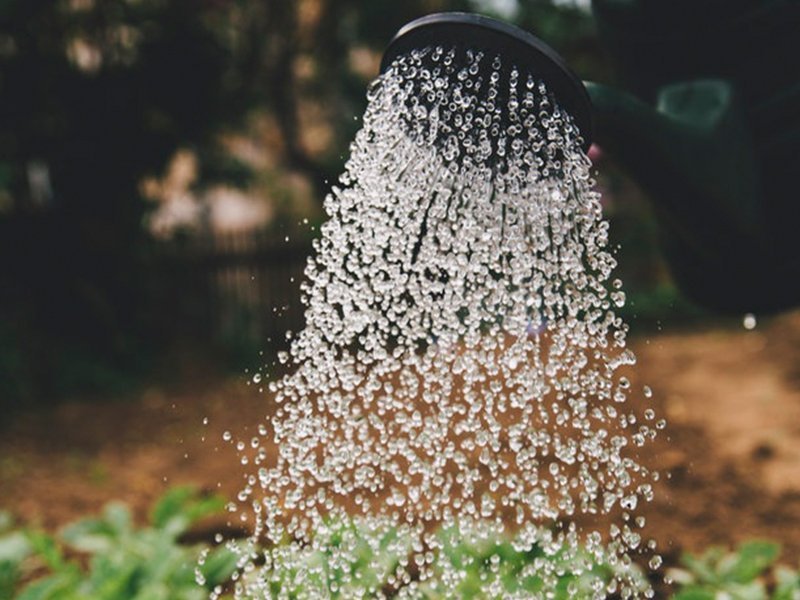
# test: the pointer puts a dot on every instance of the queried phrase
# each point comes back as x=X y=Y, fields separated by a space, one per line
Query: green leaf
x=695 y=593
x=170 y=505
x=90 y=535
x=182 y=506
x=219 y=566
x=787 y=584
x=752 y=559
x=754 y=590
x=118 y=517
x=110 y=578
x=154 y=591
x=61 y=586
x=9 y=575
x=703 y=569
x=46 y=547
x=14 y=547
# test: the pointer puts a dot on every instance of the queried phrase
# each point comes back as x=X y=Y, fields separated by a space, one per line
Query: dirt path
x=732 y=399
x=731 y=396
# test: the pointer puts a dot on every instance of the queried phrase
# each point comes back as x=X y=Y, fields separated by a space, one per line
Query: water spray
x=462 y=374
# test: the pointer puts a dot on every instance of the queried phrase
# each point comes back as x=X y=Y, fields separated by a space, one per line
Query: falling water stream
x=462 y=365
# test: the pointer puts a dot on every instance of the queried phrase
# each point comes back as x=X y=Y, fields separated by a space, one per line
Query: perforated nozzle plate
x=523 y=49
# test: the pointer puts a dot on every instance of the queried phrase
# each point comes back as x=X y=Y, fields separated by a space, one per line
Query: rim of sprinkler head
x=527 y=52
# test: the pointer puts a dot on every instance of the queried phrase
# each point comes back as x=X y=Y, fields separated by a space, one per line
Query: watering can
x=709 y=126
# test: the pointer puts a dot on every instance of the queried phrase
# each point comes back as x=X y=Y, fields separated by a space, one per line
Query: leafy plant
x=360 y=563
x=741 y=575
x=149 y=563
x=14 y=549
x=368 y=565
x=787 y=584
x=518 y=572
x=126 y=562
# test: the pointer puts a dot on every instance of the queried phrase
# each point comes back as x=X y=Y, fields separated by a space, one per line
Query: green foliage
x=180 y=507
x=741 y=575
x=787 y=584
x=369 y=570
x=14 y=549
x=491 y=560
x=125 y=562
x=373 y=565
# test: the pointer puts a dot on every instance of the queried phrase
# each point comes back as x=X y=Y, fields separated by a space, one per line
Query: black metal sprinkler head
x=514 y=45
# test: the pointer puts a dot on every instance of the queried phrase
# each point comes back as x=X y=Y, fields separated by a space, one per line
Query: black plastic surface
x=523 y=49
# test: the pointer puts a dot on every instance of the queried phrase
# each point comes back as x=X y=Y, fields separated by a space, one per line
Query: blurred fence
x=243 y=286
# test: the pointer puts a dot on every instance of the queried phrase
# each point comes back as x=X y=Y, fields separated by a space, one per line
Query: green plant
x=126 y=562
x=370 y=562
x=14 y=549
x=359 y=562
x=519 y=572
x=787 y=584
x=741 y=575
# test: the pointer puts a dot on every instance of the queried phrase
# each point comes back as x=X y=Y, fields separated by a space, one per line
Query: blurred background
x=163 y=166
x=162 y=169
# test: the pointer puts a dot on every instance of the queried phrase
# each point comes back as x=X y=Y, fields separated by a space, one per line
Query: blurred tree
x=97 y=94
x=93 y=95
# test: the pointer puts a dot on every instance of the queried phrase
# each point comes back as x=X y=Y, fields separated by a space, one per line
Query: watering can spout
x=709 y=130
x=691 y=152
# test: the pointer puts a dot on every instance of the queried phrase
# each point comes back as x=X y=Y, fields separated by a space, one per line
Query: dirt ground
x=730 y=453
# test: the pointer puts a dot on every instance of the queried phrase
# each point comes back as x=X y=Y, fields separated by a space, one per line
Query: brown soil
x=732 y=400
x=730 y=454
